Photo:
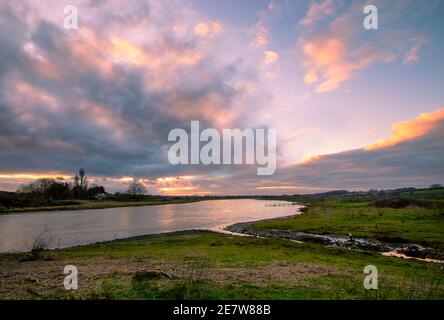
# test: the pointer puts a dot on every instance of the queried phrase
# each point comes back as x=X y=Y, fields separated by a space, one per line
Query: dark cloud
x=70 y=99
x=114 y=121
x=417 y=162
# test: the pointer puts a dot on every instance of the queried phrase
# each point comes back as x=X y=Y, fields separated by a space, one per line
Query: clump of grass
x=38 y=248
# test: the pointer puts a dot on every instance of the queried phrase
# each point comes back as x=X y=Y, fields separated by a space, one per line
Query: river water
x=71 y=228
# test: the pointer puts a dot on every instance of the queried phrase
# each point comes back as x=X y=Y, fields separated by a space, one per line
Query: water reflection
x=70 y=228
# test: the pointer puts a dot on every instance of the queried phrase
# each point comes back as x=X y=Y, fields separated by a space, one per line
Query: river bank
x=413 y=231
x=207 y=265
x=95 y=204
x=199 y=264
x=406 y=250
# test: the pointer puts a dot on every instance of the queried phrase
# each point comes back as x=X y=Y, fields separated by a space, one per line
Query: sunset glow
x=349 y=104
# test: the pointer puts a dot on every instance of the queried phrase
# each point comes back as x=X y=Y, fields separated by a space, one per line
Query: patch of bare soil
x=37 y=279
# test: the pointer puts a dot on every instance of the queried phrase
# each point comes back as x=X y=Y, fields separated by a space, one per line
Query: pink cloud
x=316 y=11
x=270 y=57
x=261 y=33
x=327 y=57
x=412 y=55
x=204 y=29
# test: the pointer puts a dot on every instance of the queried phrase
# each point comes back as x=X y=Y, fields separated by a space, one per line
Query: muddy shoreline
x=402 y=250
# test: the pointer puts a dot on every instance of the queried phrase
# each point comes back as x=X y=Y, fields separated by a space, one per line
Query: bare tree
x=76 y=182
x=83 y=179
x=136 y=188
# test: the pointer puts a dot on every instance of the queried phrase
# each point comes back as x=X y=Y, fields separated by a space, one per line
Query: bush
x=38 y=247
x=400 y=203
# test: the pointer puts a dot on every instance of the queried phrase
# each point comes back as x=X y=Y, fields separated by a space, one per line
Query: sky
x=354 y=109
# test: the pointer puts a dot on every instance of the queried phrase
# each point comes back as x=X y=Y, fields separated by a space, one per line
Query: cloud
x=104 y=97
x=413 y=162
x=270 y=57
x=335 y=52
x=412 y=156
x=311 y=77
x=327 y=57
x=272 y=5
x=204 y=29
x=277 y=187
x=261 y=32
x=410 y=129
x=316 y=11
x=412 y=56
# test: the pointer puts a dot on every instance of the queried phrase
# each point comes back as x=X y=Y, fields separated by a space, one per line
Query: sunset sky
x=353 y=108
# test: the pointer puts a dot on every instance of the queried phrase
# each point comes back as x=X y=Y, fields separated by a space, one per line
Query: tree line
x=79 y=188
x=59 y=189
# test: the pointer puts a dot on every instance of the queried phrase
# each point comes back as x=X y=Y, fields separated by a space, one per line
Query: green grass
x=256 y=268
x=231 y=252
x=412 y=224
x=206 y=265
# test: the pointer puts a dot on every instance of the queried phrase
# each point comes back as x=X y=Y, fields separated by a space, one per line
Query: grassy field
x=94 y=204
x=203 y=265
x=412 y=224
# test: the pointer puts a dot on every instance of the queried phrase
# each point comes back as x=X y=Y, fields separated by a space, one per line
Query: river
x=79 y=227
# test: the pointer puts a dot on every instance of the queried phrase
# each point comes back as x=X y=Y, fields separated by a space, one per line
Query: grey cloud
x=73 y=136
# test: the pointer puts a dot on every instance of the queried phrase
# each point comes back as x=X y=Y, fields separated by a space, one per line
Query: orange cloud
x=86 y=48
x=410 y=129
x=276 y=187
x=309 y=159
x=311 y=77
x=103 y=54
x=123 y=179
x=327 y=57
x=176 y=189
x=181 y=185
x=270 y=57
x=33 y=176
x=261 y=36
x=204 y=29
x=163 y=56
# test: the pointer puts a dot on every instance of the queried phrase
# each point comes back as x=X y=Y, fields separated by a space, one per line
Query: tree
x=136 y=188
x=435 y=186
x=95 y=191
x=83 y=179
x=47 y=189
x=80 y=184
x=76 y=182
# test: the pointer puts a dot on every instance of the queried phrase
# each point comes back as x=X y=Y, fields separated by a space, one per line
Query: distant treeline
x=434 y=192
x=54 y=192
x=59 y=189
